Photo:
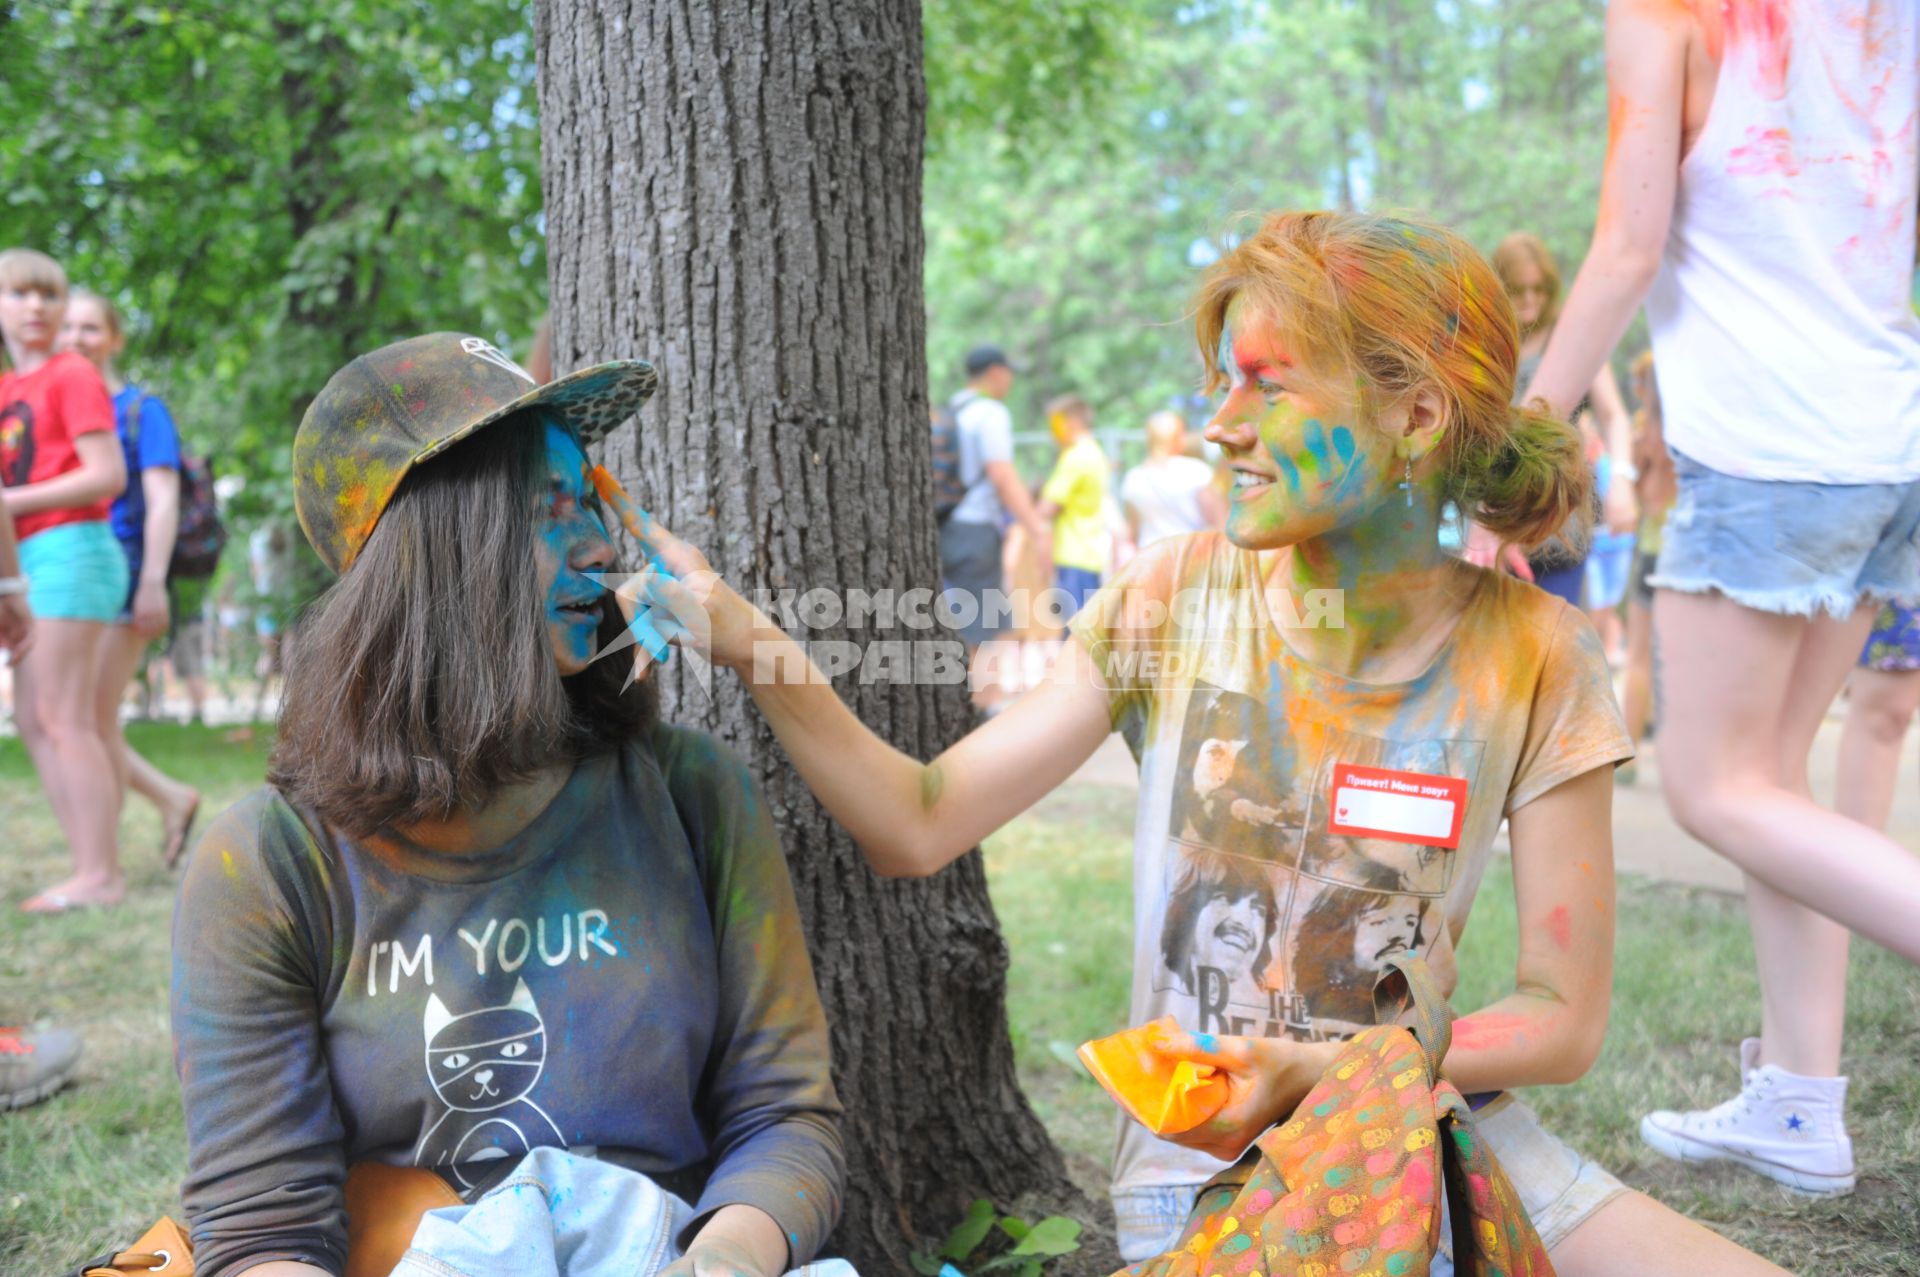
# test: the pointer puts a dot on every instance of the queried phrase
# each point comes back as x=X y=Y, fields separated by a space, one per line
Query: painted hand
x=718 y=1258
x=678 y=599
x=1266 y=1079
x=150 y=609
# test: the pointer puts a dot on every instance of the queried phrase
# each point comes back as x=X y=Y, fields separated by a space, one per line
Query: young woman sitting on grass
x=1272 y=680
x=488 y=906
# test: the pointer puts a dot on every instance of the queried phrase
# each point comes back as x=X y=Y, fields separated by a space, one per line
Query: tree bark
x=733 y=192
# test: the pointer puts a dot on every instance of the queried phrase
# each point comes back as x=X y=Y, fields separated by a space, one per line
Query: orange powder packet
x=1163 y=1094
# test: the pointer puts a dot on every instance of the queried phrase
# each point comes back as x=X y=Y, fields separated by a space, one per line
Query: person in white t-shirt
x=971 y=537
x=1759 y=194
x=1169 y=493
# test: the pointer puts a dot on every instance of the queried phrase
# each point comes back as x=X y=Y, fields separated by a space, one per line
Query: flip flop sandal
x=52 y=902
x=172 y=849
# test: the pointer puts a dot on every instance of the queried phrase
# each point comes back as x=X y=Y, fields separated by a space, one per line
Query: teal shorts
x=75 y=572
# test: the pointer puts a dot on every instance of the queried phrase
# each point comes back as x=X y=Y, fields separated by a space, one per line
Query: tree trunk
x=733 y=191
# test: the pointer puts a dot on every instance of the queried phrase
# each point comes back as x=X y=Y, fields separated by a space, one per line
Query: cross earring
x=1406 y=484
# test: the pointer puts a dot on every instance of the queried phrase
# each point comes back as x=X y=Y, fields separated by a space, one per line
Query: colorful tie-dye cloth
x=1352 y=1184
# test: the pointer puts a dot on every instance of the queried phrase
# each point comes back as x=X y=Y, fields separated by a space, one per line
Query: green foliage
x=270 y=188
x=1079 y=255
x=1032 y=1244
x=1024 y=69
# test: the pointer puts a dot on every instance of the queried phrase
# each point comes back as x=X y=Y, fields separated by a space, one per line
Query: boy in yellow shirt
x=1075 y=500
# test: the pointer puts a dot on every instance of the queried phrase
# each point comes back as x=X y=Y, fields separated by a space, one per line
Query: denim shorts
x=75 y=572
x=1609 y=564
x=1559 y=1188
x=1791 y=548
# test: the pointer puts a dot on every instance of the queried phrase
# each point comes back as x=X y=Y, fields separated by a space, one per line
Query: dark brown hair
x=423 y=680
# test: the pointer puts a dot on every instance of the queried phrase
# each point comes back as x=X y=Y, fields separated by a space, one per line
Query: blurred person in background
x=62 y=467
x=1882 y=696
x=35 y=1061
x=1532 y=281
x=186 y=654
x=270 y=563
x=1653 y=490
x=145 y=517
x=1074 y=500
x=540 y=351
x=971 y=538
x=1170 y=493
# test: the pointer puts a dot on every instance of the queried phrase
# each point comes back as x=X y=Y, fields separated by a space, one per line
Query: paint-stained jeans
x=563 y=1214
x=1559 y=1188
x=1791 y=548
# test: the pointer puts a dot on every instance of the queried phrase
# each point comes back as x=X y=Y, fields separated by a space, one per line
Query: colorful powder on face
x=568 y=525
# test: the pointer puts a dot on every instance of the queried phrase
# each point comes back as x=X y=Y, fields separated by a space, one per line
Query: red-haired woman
x=1367 y=365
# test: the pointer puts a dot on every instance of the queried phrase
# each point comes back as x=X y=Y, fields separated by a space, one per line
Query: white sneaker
x=1791 y=1129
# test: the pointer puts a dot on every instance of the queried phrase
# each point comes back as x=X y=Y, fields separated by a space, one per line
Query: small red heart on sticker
x=1343 y=813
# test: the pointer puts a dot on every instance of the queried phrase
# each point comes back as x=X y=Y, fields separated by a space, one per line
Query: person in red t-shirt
x=61 y=466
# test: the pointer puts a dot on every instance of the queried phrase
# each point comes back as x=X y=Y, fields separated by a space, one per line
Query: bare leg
x=1635 y=1236
x=59 y=676
x=1879 y=710
x=1636 y=689
x=1727 y=671
x=1802 y=955
x=119 y=656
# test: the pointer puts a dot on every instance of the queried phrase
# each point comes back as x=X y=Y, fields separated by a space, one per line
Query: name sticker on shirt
x=1376 y=802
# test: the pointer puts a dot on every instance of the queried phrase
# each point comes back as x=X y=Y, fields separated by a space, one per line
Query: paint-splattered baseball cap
x=403 y=404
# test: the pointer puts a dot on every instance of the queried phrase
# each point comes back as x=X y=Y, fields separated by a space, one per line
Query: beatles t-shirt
x=41 y=413
x=1297 y=828
x=626 y=976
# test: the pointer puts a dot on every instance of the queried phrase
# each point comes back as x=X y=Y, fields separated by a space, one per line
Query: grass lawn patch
x=91 y=1168
x=95 y=1165
x=1685 y=993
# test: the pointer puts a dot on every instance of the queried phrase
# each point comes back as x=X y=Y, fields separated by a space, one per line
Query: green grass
x=1685 y=993
x=102 y=1160
x=93 y=1167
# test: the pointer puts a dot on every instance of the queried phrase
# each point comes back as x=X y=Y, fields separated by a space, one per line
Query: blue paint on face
x=1288 y=471
x=1224 y=356
x=1319 y=449
x=1352 y=480
x=1343 y=444
x=568 y=524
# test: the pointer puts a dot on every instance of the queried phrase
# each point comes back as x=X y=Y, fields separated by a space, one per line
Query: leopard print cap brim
x=594 y=401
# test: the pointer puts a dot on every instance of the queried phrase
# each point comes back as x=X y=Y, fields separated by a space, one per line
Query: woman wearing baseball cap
x=488 y=908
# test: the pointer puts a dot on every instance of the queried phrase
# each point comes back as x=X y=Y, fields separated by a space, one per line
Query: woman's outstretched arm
x=909 y=818
x=1647 y=44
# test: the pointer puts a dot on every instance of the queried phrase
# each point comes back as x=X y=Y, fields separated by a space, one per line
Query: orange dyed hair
x=1374 y=308
x=1521 y=249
